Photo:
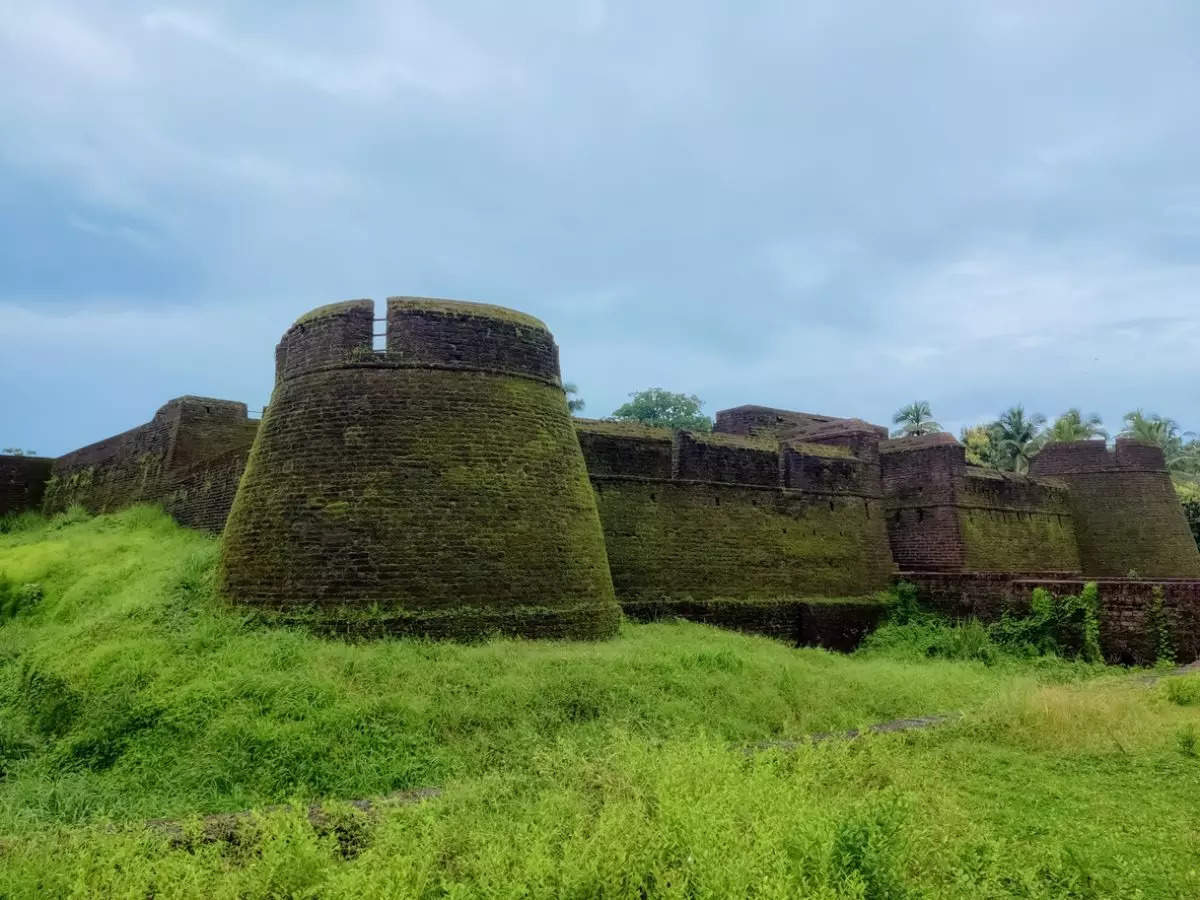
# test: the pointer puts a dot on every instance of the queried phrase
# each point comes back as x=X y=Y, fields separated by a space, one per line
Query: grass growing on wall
x=568 y=769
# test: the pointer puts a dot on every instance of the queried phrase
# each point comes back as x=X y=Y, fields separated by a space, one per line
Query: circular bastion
x=435 y=487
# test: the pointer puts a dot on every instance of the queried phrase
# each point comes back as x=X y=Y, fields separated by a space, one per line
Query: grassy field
x=127 y=692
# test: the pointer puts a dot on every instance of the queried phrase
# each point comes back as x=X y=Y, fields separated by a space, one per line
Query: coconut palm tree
x=1073 y=426
x=1018 y=437
x=914 y=420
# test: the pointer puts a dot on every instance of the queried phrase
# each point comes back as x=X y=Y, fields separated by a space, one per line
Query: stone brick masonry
x=440 y=487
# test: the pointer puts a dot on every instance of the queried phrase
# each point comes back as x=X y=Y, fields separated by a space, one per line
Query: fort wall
x=23 y=482
x=944 y=515
x=1127 y=516
x=436 y=487
x=696 y=517
x=202 y=495
x=139 y=464
x=1128 y=618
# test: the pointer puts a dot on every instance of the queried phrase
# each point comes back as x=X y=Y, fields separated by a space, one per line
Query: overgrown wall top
x=1128 y=518
x=702 y=516
x=436 y=487
x=22 y=482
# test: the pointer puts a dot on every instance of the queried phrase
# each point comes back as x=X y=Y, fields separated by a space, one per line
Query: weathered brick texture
x=22 y=482
x=1127 y=516
x=1128 y=629
x=434 y=488
x=201 y=495
x=703 y=516
x=139 y=464
x=944 y=515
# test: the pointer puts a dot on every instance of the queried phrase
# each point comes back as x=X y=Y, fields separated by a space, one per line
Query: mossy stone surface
x=419 y=501
x=702 y=541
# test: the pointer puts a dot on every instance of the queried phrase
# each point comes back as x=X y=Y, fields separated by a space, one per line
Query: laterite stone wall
x=1128 y=519
x=435 y=488
x=1128 y=607
x=139 y=464
x=944 y=515
x=202 y=495
x=697 y=516
x=22 y=482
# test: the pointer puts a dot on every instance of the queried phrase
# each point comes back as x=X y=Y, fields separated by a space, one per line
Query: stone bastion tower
x=435 y=487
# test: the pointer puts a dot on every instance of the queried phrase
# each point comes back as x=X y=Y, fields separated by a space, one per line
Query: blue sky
x=830 y=206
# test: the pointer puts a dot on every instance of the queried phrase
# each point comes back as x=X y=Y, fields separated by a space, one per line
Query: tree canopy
x=656 y=406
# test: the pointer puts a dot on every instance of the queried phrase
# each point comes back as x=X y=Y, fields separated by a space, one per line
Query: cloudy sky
x=835 y=206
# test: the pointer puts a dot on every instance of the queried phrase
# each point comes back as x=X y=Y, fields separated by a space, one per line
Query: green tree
x=17 y=451
x=575 y=403
x=1017 y=437
x=1073 y=426
x=978 y=443
x=914 y=420
x=655 y=406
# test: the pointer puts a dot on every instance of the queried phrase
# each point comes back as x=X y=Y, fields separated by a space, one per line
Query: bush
x=1064 y=626
x=1055 y=626
x=1184 y=691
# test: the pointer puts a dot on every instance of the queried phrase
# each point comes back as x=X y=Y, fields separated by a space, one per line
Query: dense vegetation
x=127 y=691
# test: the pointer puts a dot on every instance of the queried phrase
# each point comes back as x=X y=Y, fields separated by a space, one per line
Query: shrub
x=1065 y=626
x=1184 y=691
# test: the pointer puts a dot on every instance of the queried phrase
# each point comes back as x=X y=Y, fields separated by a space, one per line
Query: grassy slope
x=127 y=693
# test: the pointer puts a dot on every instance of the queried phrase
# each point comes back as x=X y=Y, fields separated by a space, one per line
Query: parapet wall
x=944 y=515
x=1128 y=519
x=690 y=516
x=140 y=464
x=22 y=482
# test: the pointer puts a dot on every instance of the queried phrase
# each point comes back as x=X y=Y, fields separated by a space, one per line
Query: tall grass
x=128 y=691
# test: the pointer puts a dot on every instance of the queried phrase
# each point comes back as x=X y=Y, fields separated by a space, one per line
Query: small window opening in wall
x=208 y=409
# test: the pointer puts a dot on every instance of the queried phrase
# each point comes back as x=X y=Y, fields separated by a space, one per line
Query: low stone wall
x=1128 y=606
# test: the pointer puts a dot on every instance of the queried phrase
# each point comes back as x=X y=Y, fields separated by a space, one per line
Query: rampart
x=691 y=516
x=143 y=463
x=944 y=515
x=22 y=482
x=1128 y=519
x=439 y=486
x=435 y=487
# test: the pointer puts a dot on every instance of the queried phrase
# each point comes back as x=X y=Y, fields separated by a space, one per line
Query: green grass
x=569 y=769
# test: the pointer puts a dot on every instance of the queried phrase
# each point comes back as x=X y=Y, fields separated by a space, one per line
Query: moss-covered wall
x=704 y=516
x=1013 y=523
x=1127 y=516
x=202 y=495
x=396 y=492
x=138 y=465
x=946 y=516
